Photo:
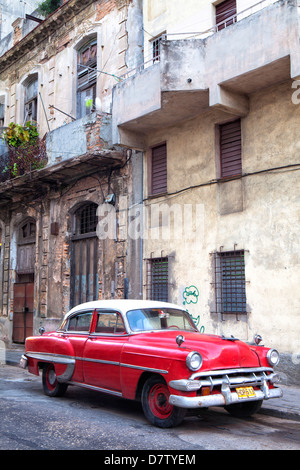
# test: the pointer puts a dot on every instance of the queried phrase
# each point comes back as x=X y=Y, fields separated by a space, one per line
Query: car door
x=76 y=333
x=102 y=351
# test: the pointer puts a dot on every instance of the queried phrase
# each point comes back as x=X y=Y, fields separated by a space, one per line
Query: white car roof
x=122 y=305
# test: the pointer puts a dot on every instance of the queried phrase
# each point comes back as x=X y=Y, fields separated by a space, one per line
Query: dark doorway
x=84 y=256
x=24 y=286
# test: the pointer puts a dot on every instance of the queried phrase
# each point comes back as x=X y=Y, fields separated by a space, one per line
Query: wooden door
x=23 y=311
x=84 y=274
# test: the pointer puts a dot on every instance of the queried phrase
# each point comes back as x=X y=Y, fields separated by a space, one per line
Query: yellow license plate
x=245 y=392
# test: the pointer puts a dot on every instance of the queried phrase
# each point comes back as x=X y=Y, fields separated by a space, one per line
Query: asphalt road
x=88 y=420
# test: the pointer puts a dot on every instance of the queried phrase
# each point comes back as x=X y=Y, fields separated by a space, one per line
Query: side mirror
x=41 y=330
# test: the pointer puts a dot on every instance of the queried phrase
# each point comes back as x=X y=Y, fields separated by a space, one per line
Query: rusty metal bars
x=157 y=275
x=230 y=282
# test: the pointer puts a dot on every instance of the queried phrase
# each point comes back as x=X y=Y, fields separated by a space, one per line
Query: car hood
x=217 y=352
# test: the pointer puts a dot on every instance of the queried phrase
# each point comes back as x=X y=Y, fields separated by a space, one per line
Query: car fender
x=137 y=361
x=54 y=349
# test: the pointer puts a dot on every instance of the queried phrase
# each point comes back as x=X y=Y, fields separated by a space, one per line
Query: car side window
x=110 y=322
x=80 y=322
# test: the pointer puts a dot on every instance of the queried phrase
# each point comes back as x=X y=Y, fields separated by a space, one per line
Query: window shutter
x=231 y=149
x=159 y=169
x=225 y=10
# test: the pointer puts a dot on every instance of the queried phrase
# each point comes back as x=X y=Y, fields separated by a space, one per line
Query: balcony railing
x=19 y=161
x=150 y=60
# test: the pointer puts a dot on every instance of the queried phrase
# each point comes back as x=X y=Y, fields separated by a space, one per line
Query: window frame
x=230 y=282
x=156 y=161
x=2 y=107
x=157 y=272
x=155 y=47
x=91 y=73
x=231 y=16
x=230 y=149
x=67 y=329
x=114 y=333
x=32 y=100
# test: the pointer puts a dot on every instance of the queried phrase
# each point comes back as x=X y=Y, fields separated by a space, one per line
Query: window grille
x=156 y=43
x=230 y=282
x=158 y=279
x=87 y=219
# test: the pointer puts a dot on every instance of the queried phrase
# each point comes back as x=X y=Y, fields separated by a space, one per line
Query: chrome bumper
x=23 y=362
x=220 y=399
x=226 y=381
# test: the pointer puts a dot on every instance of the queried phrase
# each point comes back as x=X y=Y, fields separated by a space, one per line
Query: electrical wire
x=291 y=167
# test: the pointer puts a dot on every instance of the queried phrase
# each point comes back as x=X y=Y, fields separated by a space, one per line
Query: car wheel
x=51 y=387
x=244 y=410
x=156 y=406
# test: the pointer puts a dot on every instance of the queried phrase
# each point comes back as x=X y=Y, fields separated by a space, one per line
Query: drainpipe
x=142 y=227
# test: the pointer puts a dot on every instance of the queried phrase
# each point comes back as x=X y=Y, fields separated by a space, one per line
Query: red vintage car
x=152 y=351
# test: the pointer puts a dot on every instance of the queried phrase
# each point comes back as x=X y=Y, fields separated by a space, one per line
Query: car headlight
x=273 y=357
x=194 y=360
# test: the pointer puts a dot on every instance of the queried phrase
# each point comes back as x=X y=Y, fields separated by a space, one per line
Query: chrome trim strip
x=50 y=357
x=63 y=359
x=150 y=369
x=69 y=361
x=99 y=361
x=99 y=389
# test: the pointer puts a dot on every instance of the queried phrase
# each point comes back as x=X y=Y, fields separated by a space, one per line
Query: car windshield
x=159 y=319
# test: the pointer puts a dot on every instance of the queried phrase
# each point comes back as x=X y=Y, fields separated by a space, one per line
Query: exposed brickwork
x=103 y=8
x=93 y=140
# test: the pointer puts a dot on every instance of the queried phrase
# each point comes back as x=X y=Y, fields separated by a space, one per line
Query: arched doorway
x=84 y=255
x=24 y=285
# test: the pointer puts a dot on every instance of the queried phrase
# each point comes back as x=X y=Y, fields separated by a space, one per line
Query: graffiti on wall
x=190 y=296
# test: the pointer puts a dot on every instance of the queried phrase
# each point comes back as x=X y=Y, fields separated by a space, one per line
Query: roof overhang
x=40 y=182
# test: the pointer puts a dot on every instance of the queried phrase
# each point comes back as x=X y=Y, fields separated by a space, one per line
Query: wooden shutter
x=225 y=10
x=159 y=169
x=231 y=149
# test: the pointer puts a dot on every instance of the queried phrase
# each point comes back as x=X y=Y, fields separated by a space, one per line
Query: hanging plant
x=26 y=151
x=16 y=135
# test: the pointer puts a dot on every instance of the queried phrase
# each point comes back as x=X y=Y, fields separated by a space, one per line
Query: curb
x=280 y=413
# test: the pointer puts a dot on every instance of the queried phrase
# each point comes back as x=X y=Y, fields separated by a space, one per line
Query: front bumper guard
x=220 y=399
x=227 y=381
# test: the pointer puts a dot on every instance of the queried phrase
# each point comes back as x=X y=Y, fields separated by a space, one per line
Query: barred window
x=86 y=219
x=158 y=279
x=230 y=282
x=156 y=47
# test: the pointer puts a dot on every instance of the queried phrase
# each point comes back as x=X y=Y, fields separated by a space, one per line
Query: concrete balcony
x=221 y=71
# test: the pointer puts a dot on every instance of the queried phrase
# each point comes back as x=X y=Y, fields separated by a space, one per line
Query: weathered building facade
x=181 y=119
x=59 y=75
x=216 y=117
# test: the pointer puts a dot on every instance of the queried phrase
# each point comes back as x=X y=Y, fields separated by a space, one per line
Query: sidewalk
x=287 y=407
